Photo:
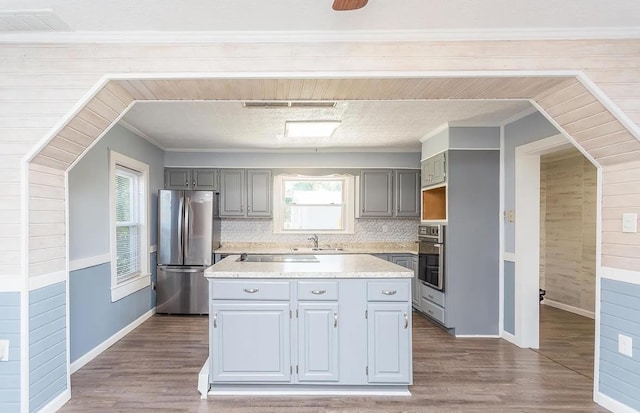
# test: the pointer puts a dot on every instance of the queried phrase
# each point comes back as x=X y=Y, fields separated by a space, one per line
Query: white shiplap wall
x=41 y=83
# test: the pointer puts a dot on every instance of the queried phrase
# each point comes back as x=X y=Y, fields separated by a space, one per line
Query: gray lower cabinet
x=409 y=261
x=389 y=342
x=249 y=342
x=318 y=342
x=432 y=303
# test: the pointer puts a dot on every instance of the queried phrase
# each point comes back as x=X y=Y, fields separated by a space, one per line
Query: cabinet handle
x=430 y=296
x=398 y=208
x=215 y=320
x=363 y=210
x=406 y=321
x=194 y=183
x=318 y=292
x=186 y=184
x=241 y=208
x=251 y=290
x=389 y=292
x=335 y=319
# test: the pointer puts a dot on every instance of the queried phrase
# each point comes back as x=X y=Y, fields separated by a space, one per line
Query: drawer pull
x=389 y=292
x=430 y=296
x=430 y=312
x=335 y=320
x=406 y=321
x=251 y=290
x=318 y=292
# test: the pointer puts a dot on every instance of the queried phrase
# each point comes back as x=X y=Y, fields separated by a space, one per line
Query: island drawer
x=249 y=290
x=434 y=311
x=318 y=290
x=432 y=295
x=387 y=291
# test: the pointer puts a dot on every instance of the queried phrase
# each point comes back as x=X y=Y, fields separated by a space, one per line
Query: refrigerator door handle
x=186 y=230
x=179 y=234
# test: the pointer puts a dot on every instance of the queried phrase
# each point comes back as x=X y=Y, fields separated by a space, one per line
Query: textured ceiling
x=365 y=125
x=311 y=15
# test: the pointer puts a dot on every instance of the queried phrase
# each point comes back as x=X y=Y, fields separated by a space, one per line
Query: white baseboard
x=478 y=336
x=78 y=364
x=617 y=274
x=55 y=404
x=203 y=380
x=509 y=337
x=569 y=308
x=613 y=405
x=87 y=262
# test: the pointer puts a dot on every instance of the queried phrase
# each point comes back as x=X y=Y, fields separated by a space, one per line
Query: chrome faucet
x=314 y=238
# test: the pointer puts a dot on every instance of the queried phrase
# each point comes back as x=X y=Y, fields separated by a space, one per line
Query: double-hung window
x=129 y=196
x=318 y=204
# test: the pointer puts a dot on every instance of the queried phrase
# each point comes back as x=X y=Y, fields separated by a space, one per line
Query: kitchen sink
x=277 y=258
x=317 y=249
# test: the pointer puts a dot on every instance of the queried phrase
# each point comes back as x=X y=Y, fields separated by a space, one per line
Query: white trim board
x=47 y=279
x=509 y=256
x=11 y=284
x=569 y=308
x=87 y=262
x=509 y=337
x=96 y=351
x=55 y=404
x=612 y=404
x=478 y=336
x=617 y=274
x=315 y=36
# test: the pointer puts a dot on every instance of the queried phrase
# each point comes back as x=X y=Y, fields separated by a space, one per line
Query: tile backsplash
x=366 y=230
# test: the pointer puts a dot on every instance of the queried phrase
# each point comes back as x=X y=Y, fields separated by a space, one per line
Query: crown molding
x=302 y=36
x=297 y=150
x=434 y=132
x=141 y=134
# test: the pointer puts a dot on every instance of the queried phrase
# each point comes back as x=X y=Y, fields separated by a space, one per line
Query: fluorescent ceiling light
x=310 y=128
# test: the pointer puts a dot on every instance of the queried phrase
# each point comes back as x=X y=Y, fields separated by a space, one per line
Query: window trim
x=349 y=203
x=129 y=285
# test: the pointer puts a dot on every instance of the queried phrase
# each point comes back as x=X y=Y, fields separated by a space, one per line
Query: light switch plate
x=625 y=345
x=4 y=350
x=629 y=222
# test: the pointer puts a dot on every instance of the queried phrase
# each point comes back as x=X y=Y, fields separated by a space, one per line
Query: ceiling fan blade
x=342 y=5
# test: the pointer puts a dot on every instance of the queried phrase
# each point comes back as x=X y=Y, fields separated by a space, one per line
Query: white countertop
x=328 y=266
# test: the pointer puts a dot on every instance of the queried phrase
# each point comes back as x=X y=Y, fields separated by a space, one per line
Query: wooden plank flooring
x=155 y=368
x=567 y=339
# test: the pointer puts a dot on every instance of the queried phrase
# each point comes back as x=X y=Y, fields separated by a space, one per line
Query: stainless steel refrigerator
x=188 y=232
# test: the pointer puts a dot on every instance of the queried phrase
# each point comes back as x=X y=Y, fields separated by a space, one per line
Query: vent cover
x=276 y=104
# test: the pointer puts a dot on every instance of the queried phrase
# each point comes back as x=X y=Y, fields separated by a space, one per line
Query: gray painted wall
x=89 y=191
x=47 y=344
x=509 y=297
x=293 y=160
x=10 y=370
x=474 y=138
x=526 y=130
x=93 y=317
x=620 y=313
x=472 y=241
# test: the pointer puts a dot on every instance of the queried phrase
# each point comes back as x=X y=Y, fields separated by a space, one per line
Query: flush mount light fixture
x=310 y=128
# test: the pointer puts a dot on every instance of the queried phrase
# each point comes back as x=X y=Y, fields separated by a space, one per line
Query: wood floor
x=155 y=368
x=567 y=339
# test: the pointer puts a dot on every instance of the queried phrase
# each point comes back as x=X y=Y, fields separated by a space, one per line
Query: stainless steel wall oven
x=431 y=252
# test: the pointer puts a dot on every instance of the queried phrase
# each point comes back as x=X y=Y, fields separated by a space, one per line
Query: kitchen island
x=311 y=324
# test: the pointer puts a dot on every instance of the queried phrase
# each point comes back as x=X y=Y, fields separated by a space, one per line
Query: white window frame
x=125 y=287
x=348 y=187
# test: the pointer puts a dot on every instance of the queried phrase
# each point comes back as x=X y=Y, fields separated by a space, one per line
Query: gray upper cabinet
x=389 y=193
x=258 y=193
x=191 y=179
x=407 y=193
x=434 y=170
x=376 y=193
x=245 y=193
x=177 y=178
x=232 y=193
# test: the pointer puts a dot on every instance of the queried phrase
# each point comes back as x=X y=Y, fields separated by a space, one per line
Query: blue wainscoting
x=620 y=314
x=510 y=297
x=47 y=344
x=93 y=317
x=10 y=370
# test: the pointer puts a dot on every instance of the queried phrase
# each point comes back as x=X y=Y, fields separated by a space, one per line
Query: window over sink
x=314 y=204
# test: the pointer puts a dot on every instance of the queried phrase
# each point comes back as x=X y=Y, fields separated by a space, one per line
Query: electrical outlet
x=629 y=222
x=4 y=350
x=625 y=345
x=385 y=228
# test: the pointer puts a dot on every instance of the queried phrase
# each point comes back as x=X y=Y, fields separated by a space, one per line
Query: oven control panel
x=435 y=232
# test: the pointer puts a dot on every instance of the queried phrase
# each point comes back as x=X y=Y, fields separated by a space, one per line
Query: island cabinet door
x=318 y=342
x=389 y=343
x=250 y=342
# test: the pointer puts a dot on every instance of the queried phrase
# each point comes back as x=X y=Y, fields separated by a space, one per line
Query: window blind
x=127 y=223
